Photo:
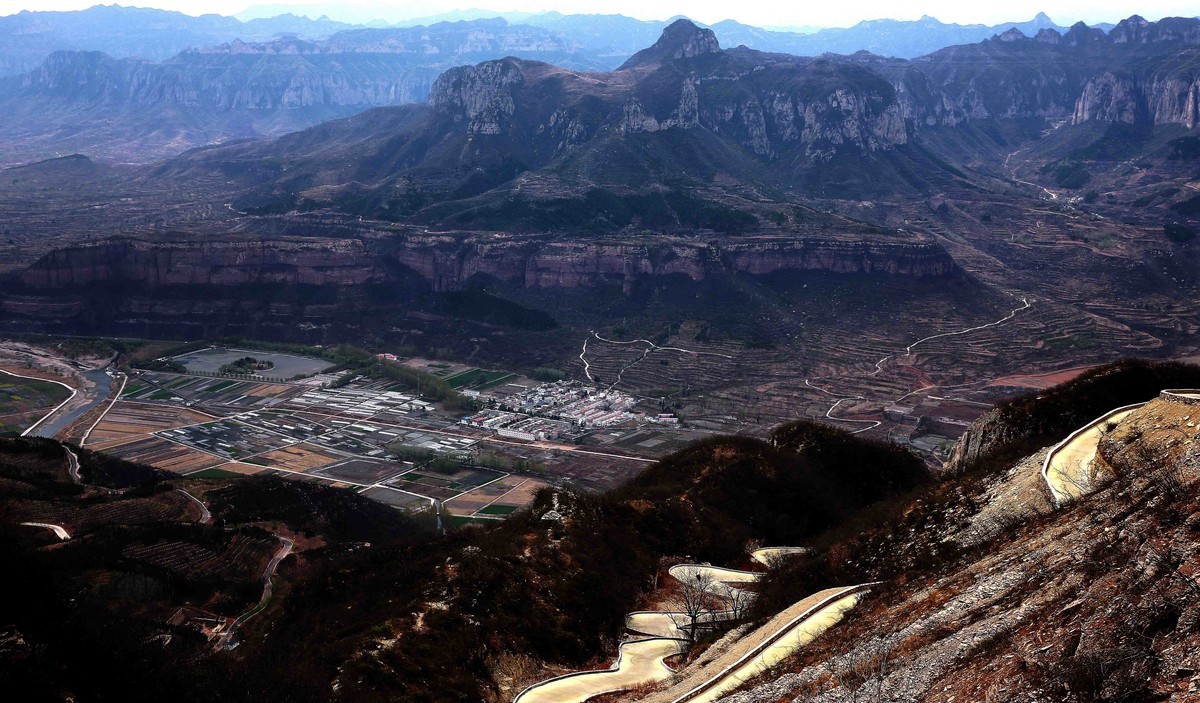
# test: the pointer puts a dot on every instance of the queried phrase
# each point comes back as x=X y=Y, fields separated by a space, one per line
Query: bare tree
x=694 y=601
x=739 y=601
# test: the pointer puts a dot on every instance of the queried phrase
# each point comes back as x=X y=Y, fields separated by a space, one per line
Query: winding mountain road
x=769 y=556
x=872 y=424
x=205 y=516
x=639 y=662
x=58 y=530
x=651 y=347
x=223 y=641
x=1067 y=468
x=642 y=660
x=830 y=606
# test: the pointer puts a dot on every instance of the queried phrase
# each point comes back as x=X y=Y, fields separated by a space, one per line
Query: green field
x=476 y=378
x=23 y=401
x=499 y=510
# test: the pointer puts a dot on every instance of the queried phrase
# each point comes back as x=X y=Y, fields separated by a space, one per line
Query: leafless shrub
x=1114 y=674
x=863 y=670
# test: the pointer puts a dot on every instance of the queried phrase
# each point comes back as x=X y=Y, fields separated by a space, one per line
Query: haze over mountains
x=858 y=126
x=134 y=84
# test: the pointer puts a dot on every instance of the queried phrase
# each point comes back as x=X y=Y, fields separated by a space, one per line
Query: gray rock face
x=481 y=94
x=1109 y=98
x=680 y=40
x=1158 y=99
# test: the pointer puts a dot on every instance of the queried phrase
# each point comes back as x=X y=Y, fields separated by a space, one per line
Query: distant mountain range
x=27 y=38
x=617 y=35
x=521 y=144
x=134 y=109
x=134 y=84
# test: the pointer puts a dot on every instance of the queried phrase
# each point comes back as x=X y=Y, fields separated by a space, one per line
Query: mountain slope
x=502 y=137
x=469 y=596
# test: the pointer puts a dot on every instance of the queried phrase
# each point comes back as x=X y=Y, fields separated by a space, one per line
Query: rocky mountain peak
x=1081 y=35
x=1131 y=30
x=1048 y=36
x=482 y=94
x=680 y=40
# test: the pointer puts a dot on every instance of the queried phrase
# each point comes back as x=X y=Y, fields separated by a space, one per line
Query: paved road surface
x=767 y=556
x=640 y=662
x=790 y=638
x=223 y=642
x=1067 y=468
x=205 y=516
x=63 y=535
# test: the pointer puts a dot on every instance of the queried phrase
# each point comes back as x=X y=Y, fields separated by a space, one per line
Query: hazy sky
x=760 y=12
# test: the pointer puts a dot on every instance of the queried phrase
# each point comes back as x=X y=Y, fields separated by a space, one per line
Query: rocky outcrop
x=1109 y=98
x=1129 y=99
x=985 y=435
x=1139 y=72
x=482 y=95
x=680 y=40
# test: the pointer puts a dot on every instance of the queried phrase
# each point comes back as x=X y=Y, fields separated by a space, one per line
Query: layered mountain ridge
x=137 y=109
x=685 y=110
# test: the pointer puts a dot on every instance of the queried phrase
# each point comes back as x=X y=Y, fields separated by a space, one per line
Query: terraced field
x=83 y=517
x=242 y=557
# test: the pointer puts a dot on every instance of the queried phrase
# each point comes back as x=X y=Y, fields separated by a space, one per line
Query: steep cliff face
x=679 y=40
x=482 y=95
x=1140 y=71
x=1129 y=99
x=333 y=290
x=769 y=109
x=734 y=116
x=205 y=263
x=447 y=263
x=352 y=68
